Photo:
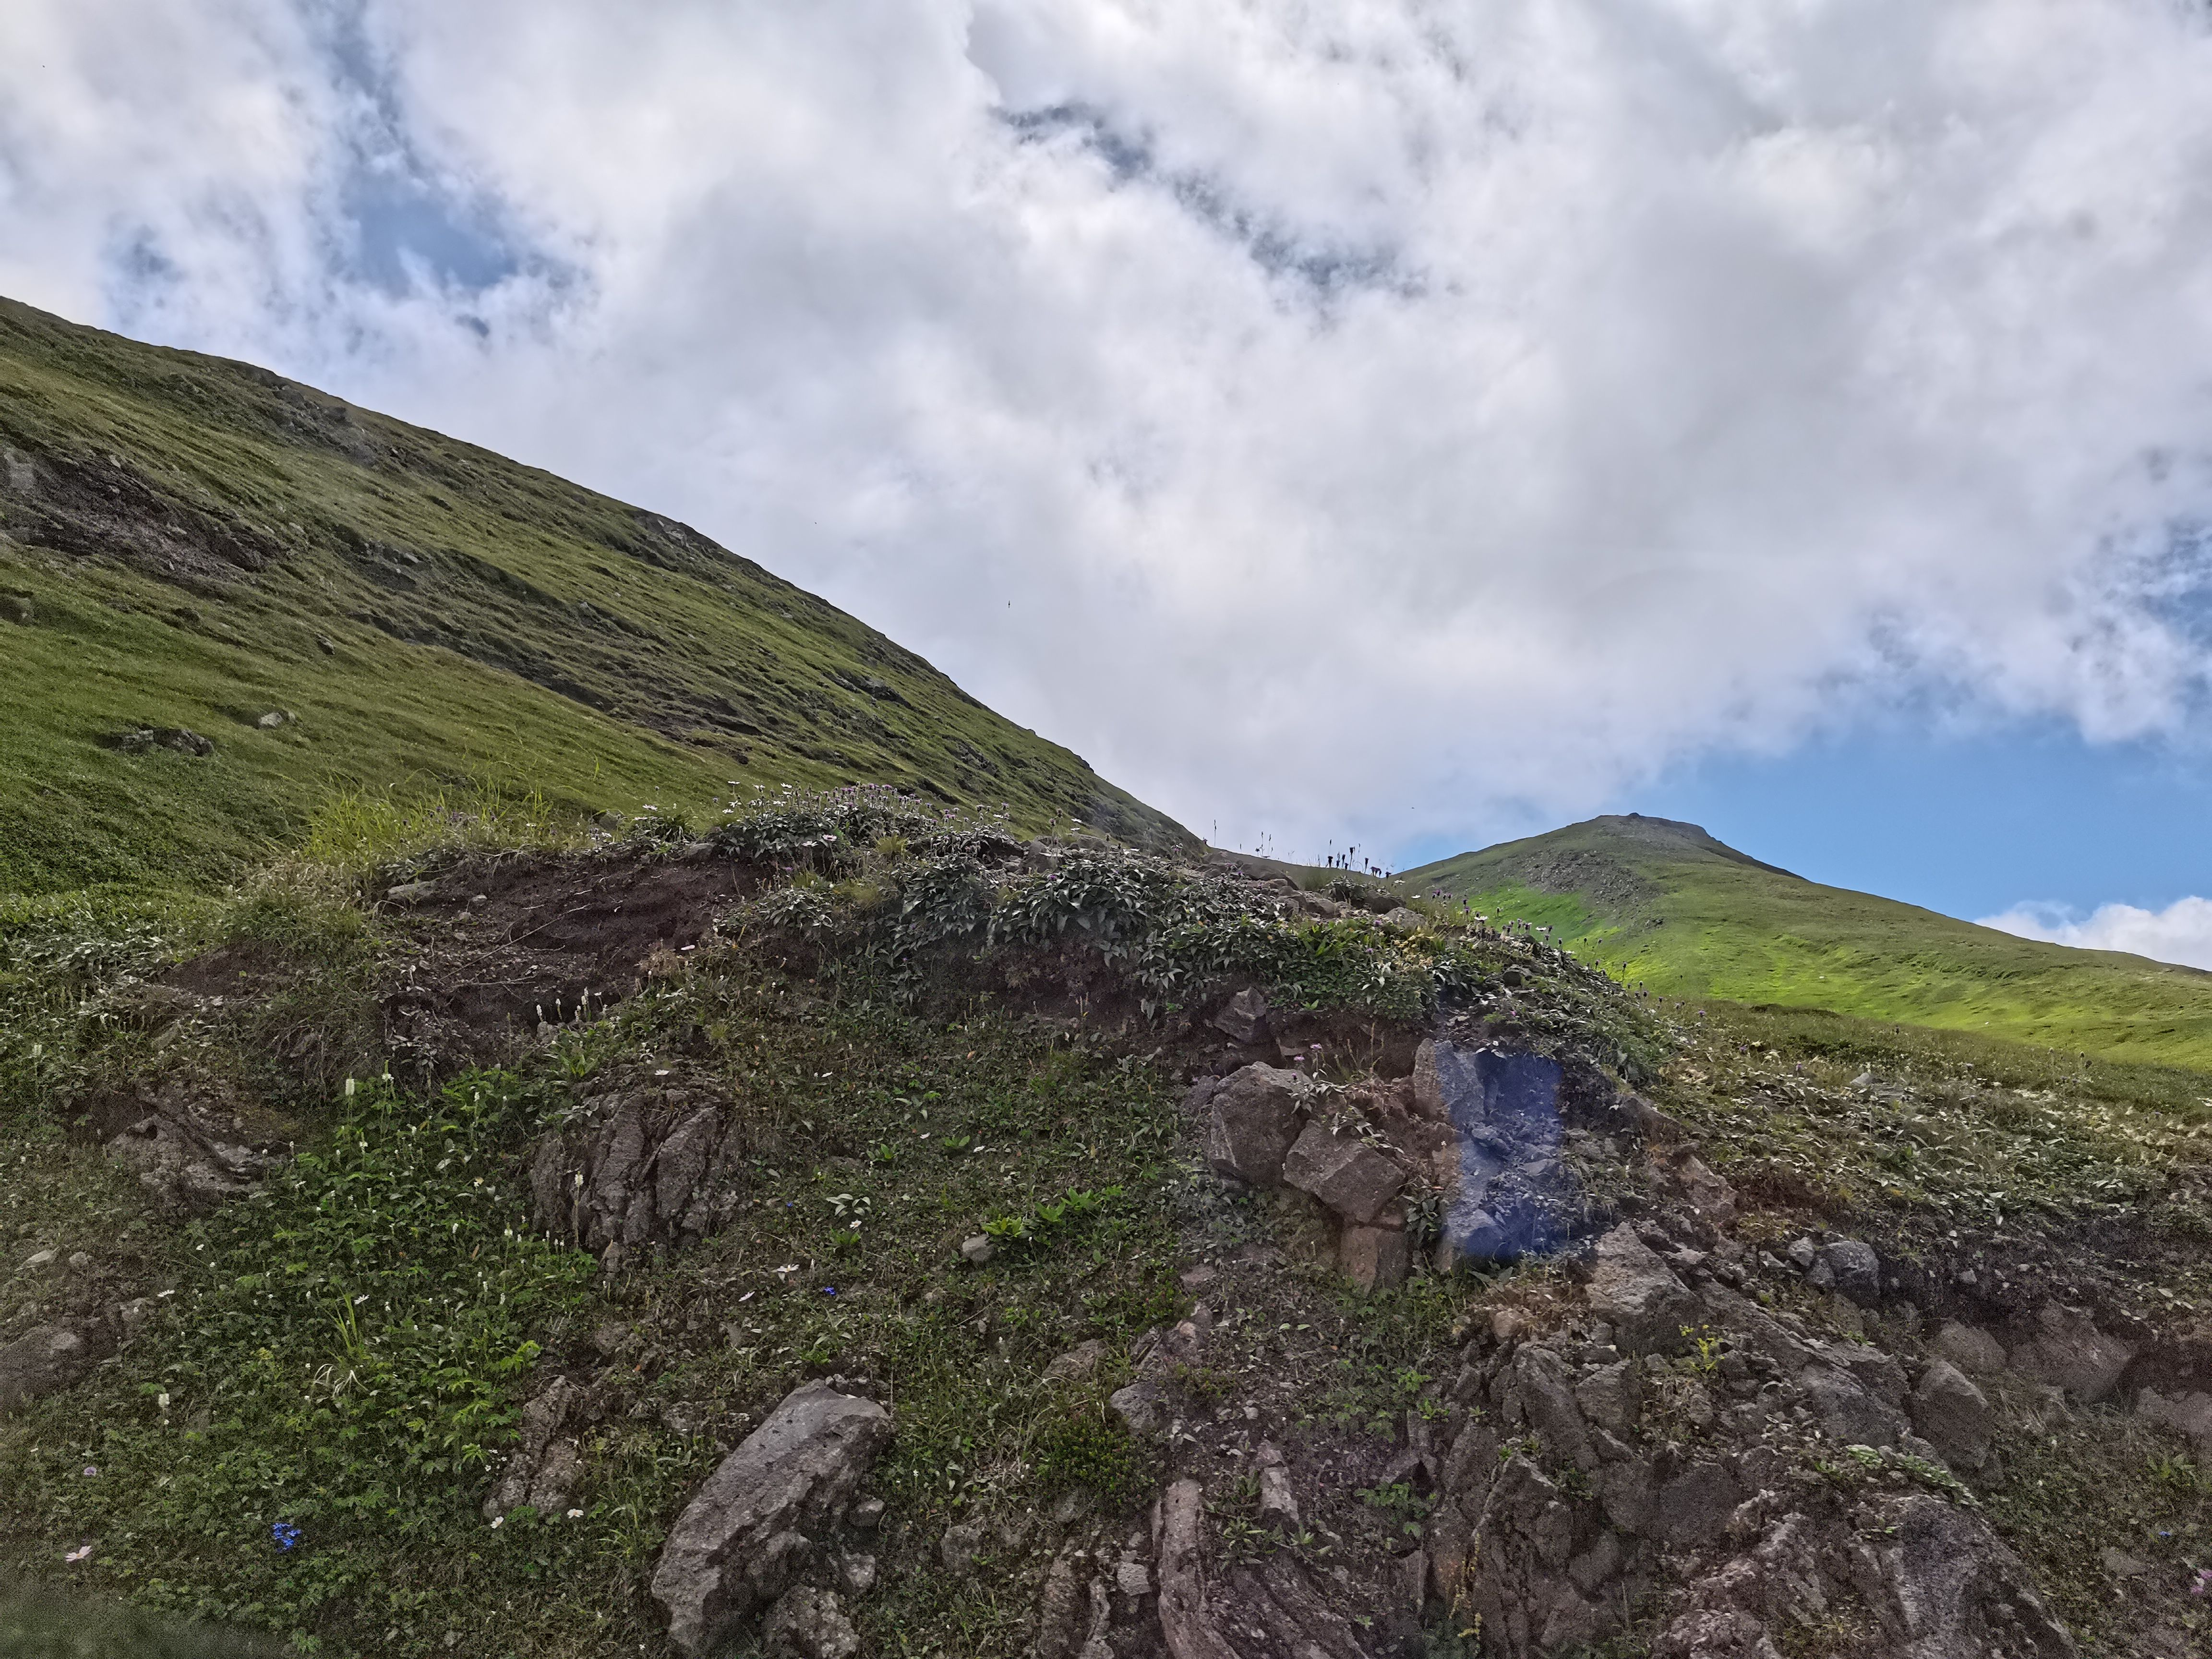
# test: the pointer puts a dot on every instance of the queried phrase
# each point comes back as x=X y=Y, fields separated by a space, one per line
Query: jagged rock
x=1255 y=1123
x=1802 y=1254
x=1375 y=1258
x=1853 y=1270
x=1243 y=1019
x=760 y=1514
x=2068 y=1352
x=1942 y=1568
x=1847 y=1410
x=1537 y=1389
x=1693 y=1506
x=811 y=1623
x=1140 y=1407
x=1974 y=1351
x=1609 y=1395
x=2190 y=1414
x=1343 y=1172
x=1060 y=1612
x=1638 y=1295
x=658 y=1171
x=1279 y=1501
x=1184 y=1624
x=43 y=1360
x=976 y=1250
x=1952 y=1415
x=519 y=1480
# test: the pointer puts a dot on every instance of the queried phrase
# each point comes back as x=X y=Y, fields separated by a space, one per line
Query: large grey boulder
x=1952 y=1415
x=1637 y=1293
x=1343 y=1172
x=1851 y=1267
x=1972 y=1351
x=737 y=1545
x=1255 y=1123
x=2190 y=1413
x=44 y=1359
x=2068 y=1352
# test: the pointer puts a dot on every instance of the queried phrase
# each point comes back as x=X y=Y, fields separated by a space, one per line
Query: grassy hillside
x=1666 y=904
x=189 y=543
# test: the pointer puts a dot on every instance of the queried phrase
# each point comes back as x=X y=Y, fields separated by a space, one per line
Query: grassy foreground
x=1666 y=906
x=332 y=598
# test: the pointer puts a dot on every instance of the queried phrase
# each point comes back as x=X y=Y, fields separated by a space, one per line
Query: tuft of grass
x=355 y=829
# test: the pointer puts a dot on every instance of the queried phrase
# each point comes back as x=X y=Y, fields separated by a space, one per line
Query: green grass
x=186 y=542
x=1665 y=906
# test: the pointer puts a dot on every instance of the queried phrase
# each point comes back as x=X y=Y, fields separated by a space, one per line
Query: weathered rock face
x=1640 y=1295
x=44 y=1359
x=542 y=1471
x=1952 y=1415
x=1255 y=1123
x=185 y=1146
x=1572 y=1497
x=765 y=1517
x=2189 y=1414
x=648 y=1167
x=1514 y=1197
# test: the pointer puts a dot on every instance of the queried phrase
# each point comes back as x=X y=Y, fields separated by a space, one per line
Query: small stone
x=1279 y=1501
x=866 y=1515
x=2121 y=1565
x=959 y=1546
x=79 y=1262
x=1077 y=1363
x=411 y=892
x=1199 y=1278
x=271 y=721
x=327 y=645
x=1139 y=1407
x=1804 y=1252
x=977 y=1250
x=38 y=1259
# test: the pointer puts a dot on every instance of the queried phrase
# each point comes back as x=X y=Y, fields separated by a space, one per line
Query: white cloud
x=2181 y=933
x=1379 y=419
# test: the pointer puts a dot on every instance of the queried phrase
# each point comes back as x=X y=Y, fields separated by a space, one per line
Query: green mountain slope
x=1666 y=904
x=190 y=542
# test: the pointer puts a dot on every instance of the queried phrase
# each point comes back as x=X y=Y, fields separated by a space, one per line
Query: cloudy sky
x=1383 y=421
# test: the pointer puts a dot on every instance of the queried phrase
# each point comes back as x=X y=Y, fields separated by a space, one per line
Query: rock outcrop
x=758 y=1533
x=646 y=1167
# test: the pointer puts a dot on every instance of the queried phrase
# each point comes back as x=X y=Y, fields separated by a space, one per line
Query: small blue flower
x=829 y=1289
x=286 y=1534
